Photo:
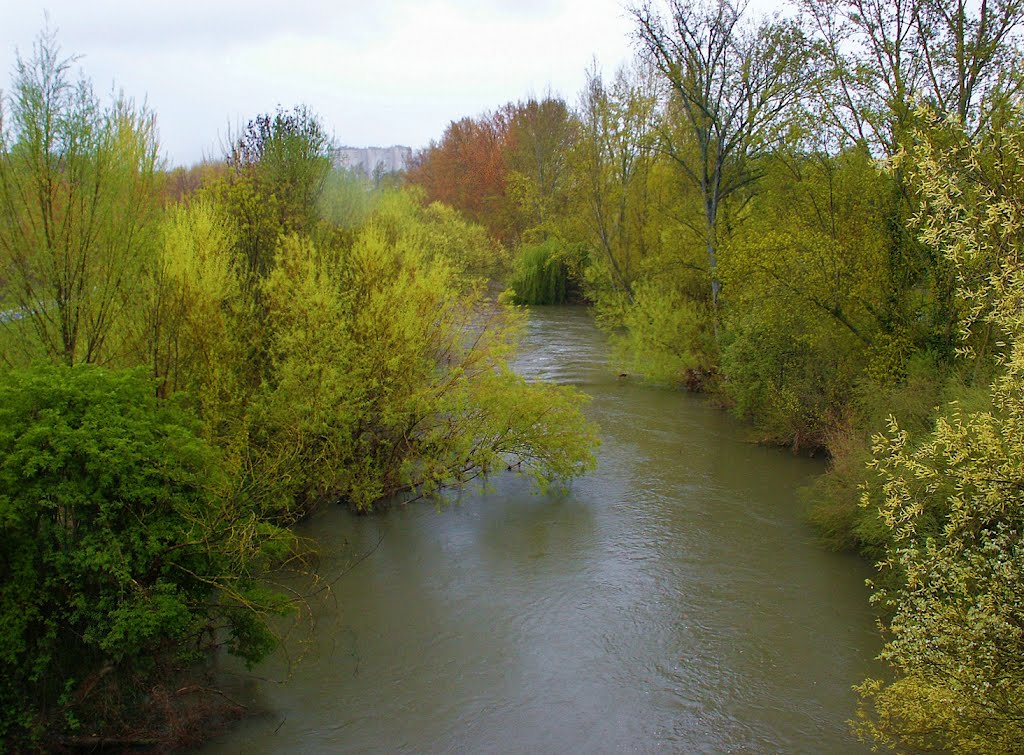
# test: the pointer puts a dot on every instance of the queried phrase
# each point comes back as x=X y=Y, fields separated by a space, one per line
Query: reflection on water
x=673 y=600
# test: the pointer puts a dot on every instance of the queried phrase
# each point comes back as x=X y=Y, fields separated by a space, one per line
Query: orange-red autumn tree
x=501 y=169
x=466 y=170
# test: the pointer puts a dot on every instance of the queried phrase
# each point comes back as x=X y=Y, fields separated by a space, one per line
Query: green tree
x=347 y=199
x=734 y=87
x=952 y=503
x=280 y=166
x=540 y=275
x=613 y=160
x=806 y=277
x=539 y=140
x=77 y=189
x=118 y=558
x=441 y=233
x=190 y=294
x=883 y=56
x=667 y=337
x=390 y=371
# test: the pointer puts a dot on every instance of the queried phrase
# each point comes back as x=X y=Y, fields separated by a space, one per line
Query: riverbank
x=673 y=599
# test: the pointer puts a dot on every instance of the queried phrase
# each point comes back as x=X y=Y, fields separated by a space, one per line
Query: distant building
x=371 y=161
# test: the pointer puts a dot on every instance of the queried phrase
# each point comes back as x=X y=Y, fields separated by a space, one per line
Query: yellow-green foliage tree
x=667 y=336
x=880 y=59
x=279 y=167
x=613 y=160
x=540 y=138
x=953 y=503
x=805 y=281
x=347 y=198
x=645 y=271
x=77 y=212
x=328 y=370
x=441 y=233
x=391 y=370
x=734 y=84
x=191 y=286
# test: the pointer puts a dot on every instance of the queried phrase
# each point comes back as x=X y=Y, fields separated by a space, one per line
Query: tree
x=180 y=182
x=733 y=85
x=280 y=166
x=540 y=275
x=185 y=305
x=540 y=137
x=466 y=170
x=885 y=55
x=806 y=275
x=77 y=188
x=884 y=59
x=119 y=560
x=816 y=238
x=972 y=58
x=613 y=159
x=952 y=504
x=390 y=373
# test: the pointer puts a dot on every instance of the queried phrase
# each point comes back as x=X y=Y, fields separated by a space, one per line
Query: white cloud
x=381 y=73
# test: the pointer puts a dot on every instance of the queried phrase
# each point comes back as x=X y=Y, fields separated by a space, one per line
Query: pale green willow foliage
x=668 y=336
x=190 y=287
x=955 y=504
x=439 y=232
x=541 y=274
x=77 y=181
x=391 y=371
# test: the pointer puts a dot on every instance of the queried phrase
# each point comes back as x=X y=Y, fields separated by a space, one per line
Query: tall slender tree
x=883 y=56
x=734 y=84
x=77 y=191
x=614 y=158
x=540 y=137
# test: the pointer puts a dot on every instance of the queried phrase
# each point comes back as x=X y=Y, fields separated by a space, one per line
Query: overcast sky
x=378 y=72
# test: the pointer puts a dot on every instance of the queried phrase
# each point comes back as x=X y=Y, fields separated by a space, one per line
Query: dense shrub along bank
x=121 y=557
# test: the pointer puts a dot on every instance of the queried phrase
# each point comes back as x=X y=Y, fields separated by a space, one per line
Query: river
x=674 y=600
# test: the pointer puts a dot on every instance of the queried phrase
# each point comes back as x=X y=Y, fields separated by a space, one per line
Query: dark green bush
x=117 y=559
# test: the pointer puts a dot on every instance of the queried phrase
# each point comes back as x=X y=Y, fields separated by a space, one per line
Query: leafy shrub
x=117 y=559
x=788 y=376
x=667 y=338
x=390 y=375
